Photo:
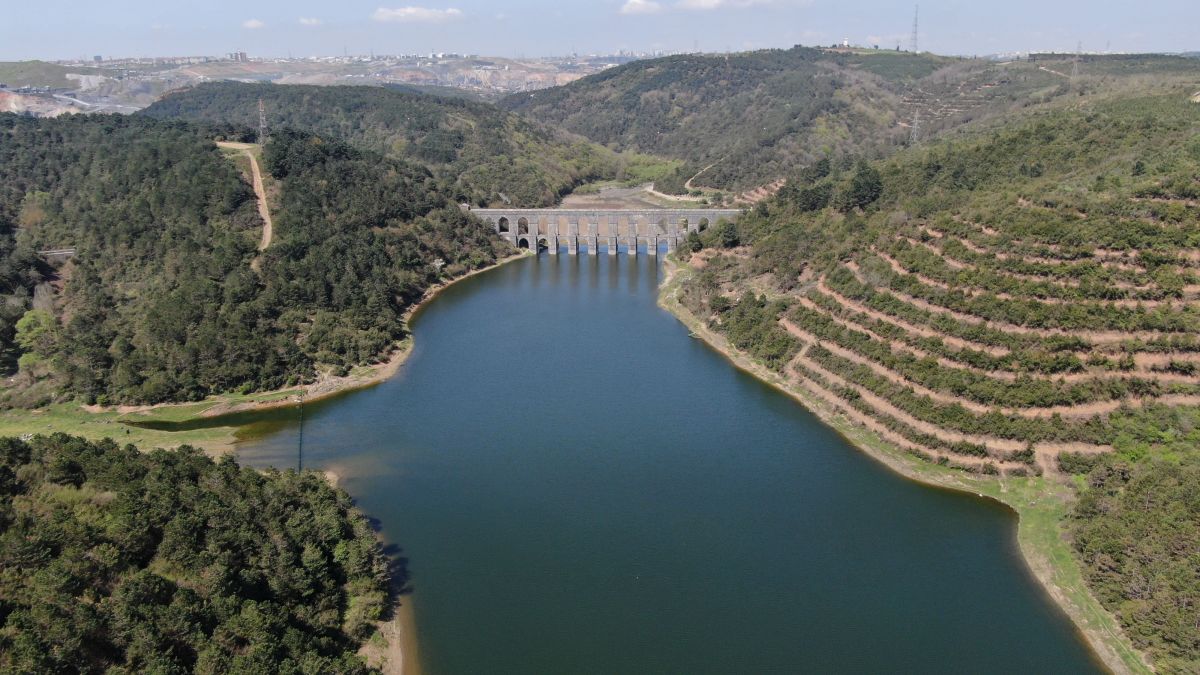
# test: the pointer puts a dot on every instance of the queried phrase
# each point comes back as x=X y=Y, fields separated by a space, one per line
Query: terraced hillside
x=1021 y=300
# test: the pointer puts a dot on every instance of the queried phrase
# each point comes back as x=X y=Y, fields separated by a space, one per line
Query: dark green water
x=581 y=488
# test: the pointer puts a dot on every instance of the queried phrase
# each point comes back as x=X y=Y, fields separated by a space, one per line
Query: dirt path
x=688 y=184
x=260 y=192
x=679 y=198
x=1054 y=72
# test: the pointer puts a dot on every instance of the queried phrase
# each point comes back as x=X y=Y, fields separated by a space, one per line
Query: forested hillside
x=750 y=115
x=160 y=302
x=1023 y=298
x=747 y=119
x=489 y=155
x=117 y=561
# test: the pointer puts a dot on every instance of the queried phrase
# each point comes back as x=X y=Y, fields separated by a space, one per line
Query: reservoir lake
x=579 y=487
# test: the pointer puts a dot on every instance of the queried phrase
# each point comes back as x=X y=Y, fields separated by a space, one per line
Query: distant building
x=97 y=58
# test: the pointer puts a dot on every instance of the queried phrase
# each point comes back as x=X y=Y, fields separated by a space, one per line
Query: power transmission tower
x=262 y=122
x=300 y=438
x=914 y=132
x=916 y=32
x=1075 y=62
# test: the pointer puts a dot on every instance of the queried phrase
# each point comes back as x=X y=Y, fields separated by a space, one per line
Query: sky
x=62 y=29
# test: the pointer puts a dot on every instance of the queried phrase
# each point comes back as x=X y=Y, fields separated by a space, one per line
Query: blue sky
x=57 y=29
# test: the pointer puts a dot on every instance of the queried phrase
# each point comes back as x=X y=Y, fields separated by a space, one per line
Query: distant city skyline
x=58 y=30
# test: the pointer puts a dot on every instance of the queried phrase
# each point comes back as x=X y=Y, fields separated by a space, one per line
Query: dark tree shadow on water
x=399 y=579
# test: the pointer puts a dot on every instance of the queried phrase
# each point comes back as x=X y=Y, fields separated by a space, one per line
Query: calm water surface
x=581 y=488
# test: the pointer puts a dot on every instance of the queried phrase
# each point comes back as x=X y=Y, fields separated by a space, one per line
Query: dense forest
x=1137 y=528
x=746 y=119
x=490 y=155
x=1017 y=298
x=739 y=119
x=118 y=561
x=160 y=302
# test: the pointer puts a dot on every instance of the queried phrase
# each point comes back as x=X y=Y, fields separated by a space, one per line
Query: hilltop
x=490 y=155
x=1020 y=298
x=746 y=120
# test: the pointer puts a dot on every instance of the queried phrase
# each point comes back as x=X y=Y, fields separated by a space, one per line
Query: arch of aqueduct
x=572 y=228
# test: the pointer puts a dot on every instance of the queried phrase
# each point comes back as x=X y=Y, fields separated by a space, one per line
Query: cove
x=579 y=487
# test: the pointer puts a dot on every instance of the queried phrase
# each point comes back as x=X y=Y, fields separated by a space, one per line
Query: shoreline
x=323 y=388
x=400 y=652
x=1038 y=503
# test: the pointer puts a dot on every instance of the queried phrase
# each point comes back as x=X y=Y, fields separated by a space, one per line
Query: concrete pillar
x=632 y=245
x=572 y=245
x=593 y=244
x=672 y=242
x=552 y=244
x=612 y=245
x=652 y=245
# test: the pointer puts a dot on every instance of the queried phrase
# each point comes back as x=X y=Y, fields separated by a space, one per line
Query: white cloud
x=416 y=14
x=707 y=5
x=252 y=24
x=654 y=6
x=641 y=7
x=309 y=21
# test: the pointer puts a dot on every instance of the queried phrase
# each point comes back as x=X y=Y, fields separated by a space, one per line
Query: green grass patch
x=70 y=418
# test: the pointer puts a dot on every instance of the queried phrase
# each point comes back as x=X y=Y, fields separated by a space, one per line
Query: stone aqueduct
x=629 y=228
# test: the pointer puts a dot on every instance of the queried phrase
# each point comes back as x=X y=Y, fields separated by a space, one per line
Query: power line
x=300 y=439
x=262 y=122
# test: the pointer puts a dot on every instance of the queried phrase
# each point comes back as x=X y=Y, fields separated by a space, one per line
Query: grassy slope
x=98 y=424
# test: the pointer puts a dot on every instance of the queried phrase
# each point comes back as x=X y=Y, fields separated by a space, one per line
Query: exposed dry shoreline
x=1060 y=579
